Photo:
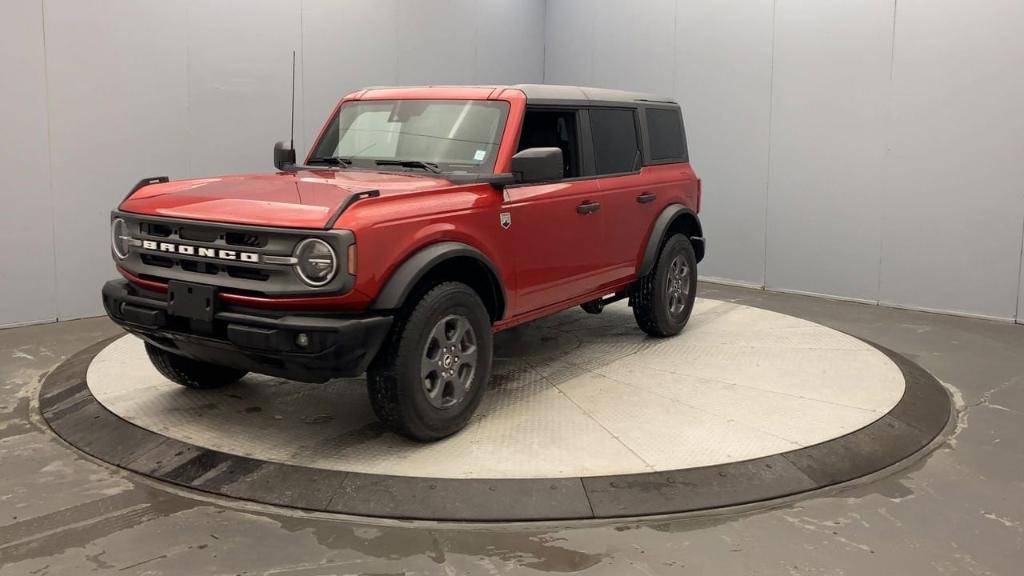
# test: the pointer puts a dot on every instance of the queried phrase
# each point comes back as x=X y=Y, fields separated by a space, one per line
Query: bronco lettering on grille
x=187 y=250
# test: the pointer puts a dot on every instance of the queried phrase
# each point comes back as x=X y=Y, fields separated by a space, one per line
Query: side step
x=597 y=306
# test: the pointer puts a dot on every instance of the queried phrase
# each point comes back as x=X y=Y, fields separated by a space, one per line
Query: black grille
x=247 y=273
x=243 y=239
x=199 y=267
x=193 y=234
x=158 y=230
x=219 y=254
x=157 y=261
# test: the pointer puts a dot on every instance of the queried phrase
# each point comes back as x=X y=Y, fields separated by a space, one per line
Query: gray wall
x=867 y=150
x=110 y=91
x=27 y=286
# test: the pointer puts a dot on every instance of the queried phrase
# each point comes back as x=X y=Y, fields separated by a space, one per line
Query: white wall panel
x=830 y=92
x=26 y=227
x=118 y=91
x=923 y=135
x=723 y=75
x=352 y=44
x=953 y=196
x=239 y=83
x=197 y=87
x=681 y=48
x=509 y=41
x=437 y=42
x=893 y=148
x=347 y=45
x=568 y=42
x=634 y=45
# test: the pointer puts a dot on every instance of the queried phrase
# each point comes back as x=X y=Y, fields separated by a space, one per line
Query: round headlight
x=119 y=238
x=317 y=262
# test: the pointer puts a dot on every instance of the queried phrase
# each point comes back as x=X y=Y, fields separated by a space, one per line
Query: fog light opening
x=302 y=340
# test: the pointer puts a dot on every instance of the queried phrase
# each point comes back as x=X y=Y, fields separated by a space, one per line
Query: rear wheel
x=191 y=373
x=663 y=299
x=430 y=375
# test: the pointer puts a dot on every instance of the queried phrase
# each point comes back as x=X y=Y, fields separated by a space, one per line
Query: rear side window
x=665 y=133
x=616 y=145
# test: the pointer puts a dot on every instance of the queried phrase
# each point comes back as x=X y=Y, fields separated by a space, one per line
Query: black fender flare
x=402 y=281
x=671 y=214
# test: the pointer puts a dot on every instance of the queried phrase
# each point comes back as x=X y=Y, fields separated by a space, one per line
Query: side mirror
x=284 y=156
x=538 y=165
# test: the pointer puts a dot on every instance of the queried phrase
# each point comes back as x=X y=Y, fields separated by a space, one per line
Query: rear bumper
x=256 y=341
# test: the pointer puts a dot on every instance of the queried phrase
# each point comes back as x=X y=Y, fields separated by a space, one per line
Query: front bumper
x=256 y=341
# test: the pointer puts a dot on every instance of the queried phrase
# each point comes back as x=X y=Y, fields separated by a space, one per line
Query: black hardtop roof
x=556 y=94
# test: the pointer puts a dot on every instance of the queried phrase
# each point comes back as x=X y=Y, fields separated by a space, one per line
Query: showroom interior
x=847 y=396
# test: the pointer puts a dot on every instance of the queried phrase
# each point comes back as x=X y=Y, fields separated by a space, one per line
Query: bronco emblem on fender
x=506 y=220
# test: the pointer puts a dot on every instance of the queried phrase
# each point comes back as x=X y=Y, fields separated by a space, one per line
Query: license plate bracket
x=193 y=301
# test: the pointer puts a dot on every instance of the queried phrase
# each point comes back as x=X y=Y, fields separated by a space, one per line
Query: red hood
x=305 y=199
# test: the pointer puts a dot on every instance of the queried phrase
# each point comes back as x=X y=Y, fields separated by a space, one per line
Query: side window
x=665 y=132
x=616 y=145
x=544 y=128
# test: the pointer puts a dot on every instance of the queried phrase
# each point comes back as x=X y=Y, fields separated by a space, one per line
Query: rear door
x=628 y=197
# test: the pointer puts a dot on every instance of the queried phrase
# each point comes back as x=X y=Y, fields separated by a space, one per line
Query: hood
x=304 y=199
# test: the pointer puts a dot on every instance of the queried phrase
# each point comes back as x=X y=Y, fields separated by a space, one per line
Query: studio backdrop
x=868 y=150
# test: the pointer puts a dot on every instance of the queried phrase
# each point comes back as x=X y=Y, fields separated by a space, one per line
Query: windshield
x=428 y=135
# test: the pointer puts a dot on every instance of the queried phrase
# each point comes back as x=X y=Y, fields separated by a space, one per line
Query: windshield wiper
x=332 y=160
x=428 y=166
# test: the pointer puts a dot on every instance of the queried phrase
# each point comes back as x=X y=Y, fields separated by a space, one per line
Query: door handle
x=646 y=197
x=588 y=207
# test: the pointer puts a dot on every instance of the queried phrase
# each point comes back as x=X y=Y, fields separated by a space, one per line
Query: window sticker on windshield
x=479 y=155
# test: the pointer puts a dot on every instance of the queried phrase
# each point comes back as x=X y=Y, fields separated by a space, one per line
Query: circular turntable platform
x=585 y=416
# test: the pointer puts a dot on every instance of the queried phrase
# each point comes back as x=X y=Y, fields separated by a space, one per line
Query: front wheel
x=663 y=299
x=430 y=375
x=191 y=373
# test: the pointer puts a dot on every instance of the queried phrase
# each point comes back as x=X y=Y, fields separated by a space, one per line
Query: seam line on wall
x=1020 y=275
x=188 y=91
x=476 y=44
x=49 y=161
x=544 y=45
x=886 y=150
x=768 y=171
x=302 y=74
x=675 y=48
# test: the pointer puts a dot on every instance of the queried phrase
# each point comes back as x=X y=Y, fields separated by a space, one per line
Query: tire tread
x=383 y=381
x=650 y=315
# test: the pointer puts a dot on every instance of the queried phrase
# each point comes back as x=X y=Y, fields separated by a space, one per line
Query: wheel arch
x=675 y=218
x=442 y=261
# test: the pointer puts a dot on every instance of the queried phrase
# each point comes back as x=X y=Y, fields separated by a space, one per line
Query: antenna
x=292 y=133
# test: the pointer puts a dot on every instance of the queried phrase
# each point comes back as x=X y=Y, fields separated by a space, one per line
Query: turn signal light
x=352 y=260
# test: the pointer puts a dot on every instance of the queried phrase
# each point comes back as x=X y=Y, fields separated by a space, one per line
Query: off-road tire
x=191 y=373
x=397 y=388
x=651 y=295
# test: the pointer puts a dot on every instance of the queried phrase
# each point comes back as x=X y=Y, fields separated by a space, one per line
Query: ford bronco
x=422 y=221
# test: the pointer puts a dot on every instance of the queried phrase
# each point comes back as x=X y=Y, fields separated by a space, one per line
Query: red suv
x=422 y=221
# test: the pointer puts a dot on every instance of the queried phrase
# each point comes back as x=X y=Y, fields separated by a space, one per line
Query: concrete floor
x=958 y=511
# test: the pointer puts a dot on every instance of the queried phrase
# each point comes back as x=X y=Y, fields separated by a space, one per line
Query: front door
x=557 y=232
x=557 y=227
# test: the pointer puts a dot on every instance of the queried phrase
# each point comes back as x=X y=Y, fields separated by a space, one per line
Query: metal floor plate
x=573 y=395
